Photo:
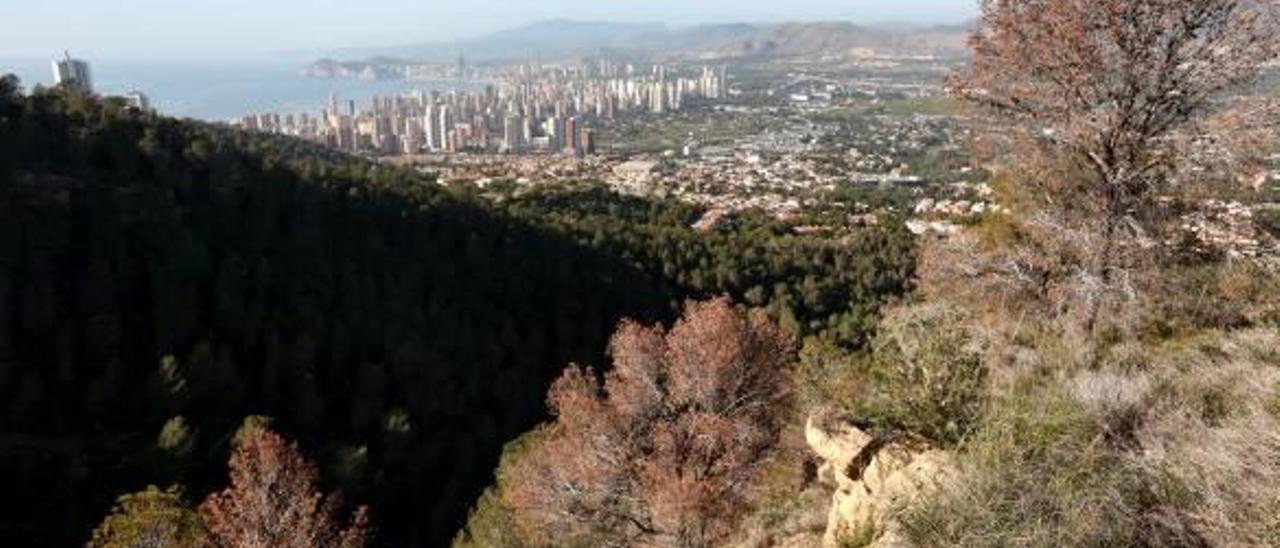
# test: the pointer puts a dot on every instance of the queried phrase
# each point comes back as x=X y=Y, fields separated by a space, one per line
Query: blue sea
x=221 y=91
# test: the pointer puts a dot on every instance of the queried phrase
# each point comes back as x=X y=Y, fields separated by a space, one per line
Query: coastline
x=220 y=91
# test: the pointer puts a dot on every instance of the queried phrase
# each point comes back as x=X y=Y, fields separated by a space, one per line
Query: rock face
x=873 y=479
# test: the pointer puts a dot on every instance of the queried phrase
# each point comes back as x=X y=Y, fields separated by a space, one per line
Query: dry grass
x=1176 y=444
x=1210 y=426
x=790 y=508
x=1036 y=475
x=1165 y=434
x=1223 y=295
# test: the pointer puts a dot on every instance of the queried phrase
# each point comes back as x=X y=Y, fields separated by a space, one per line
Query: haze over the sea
x=222 y=90
x=221 y=29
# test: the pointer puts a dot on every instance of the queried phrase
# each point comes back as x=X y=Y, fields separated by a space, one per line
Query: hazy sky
x=211 y=29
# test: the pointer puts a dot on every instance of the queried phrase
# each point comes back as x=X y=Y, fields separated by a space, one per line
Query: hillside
x=787 y=40
x=159 y=274
x=1094 y=363
x=162 y=280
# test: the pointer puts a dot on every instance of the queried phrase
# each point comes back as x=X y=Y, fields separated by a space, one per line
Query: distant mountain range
x=558 y=39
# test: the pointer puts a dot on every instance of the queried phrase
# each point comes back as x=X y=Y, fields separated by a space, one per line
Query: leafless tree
x=662 y=451
x=273 y=501
x=1108 y=105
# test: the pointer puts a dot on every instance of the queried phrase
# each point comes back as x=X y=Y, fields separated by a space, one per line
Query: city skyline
x=526 y=108
x=239 y=29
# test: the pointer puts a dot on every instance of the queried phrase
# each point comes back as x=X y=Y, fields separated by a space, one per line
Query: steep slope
x=161 y=280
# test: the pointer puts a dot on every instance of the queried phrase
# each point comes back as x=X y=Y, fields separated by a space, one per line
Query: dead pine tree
x=663 y=451
x=274 y=502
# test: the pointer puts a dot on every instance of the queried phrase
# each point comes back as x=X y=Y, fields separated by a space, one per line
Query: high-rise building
x=572 y=136
x=512 y=140
x=72 y=73
x=431 y=126
x=544 y=111
x=588 y=141
x=553 y=127
x=526 y=130
x=658 y=98
x=332 y=110
x=444 y=129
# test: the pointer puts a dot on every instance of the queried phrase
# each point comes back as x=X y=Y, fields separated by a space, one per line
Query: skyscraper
x=572 y=142
x=445 y=131
x=526 y=130
x=658 y=98
x=588 y=141
x=332 y=110
x=72 y=73
x=431 y=124
x=554 y=128
x=511 y=135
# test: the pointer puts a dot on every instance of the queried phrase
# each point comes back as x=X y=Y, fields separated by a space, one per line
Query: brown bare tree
x=273 y=500
x=662 y=452
x=1108 y=105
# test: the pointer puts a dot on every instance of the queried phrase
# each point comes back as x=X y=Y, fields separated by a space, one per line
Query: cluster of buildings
x=752 y=150
x=72 y=74
x=795 y=159
x=77 y=75
x=528 y=109
x=771 y=158
x=1228 y=226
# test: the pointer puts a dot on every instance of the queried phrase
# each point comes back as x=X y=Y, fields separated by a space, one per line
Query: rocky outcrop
x=873 y=478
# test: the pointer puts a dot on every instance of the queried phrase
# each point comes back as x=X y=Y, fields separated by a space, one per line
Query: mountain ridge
x=565 y=38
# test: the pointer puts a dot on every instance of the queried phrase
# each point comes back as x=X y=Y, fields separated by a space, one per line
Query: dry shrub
x=274 y=501
x=926 y=374
x=1039 y=272
x=1040 y=269
x=1213 y=295
x=828 y=376
x=1137 y=93
x=1255 y=287
x=1021 y=277
x=664 y=451
x=1004 y=281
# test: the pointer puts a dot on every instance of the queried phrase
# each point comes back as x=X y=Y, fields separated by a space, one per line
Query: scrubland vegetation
x=1083 y=370
x=1101 y=377
x=160 y=280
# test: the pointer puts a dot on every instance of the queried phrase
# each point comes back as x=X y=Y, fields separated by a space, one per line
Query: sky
x=238 y=29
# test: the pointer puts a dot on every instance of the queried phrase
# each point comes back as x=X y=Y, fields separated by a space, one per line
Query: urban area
x=827 y=145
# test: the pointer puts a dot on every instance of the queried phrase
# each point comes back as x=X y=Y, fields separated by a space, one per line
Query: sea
x=223 y=91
